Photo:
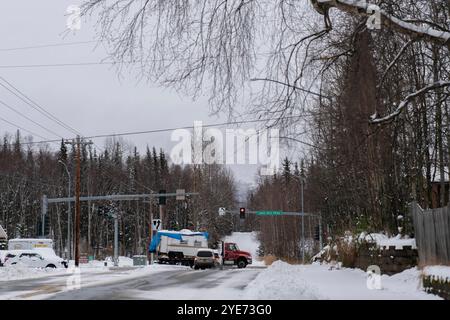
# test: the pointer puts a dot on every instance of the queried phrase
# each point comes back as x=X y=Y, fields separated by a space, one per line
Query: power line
x=93 y=63
x=46 y=113
x=29 y=119
x=59 y=65
x=19 y=127
x=171 y=129
x=22 y=96
x=62 y=44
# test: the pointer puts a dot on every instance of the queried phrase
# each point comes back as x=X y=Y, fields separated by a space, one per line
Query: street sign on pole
x=269 y=213
x=222 y=211
x=181 y=195
x=156 y=224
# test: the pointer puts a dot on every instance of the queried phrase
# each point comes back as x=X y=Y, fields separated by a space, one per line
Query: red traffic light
x=242 y=213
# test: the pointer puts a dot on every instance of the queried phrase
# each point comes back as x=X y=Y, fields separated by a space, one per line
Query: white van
x=29 y=244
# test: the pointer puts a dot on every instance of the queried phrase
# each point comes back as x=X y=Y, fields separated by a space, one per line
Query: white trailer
x=29 y=244
x=178 y=246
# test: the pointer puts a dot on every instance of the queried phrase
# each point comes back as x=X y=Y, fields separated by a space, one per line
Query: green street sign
x=269 y=213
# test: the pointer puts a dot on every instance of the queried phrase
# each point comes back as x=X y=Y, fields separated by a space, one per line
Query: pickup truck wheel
x=242 y=264
x=196 y=267
x=51 y=266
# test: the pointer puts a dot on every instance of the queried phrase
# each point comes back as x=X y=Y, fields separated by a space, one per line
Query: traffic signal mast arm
x=269 y=213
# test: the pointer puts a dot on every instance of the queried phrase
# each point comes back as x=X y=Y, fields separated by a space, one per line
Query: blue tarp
x=174 y=235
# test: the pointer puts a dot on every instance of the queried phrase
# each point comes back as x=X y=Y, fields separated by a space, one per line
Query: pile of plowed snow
x=284 y=281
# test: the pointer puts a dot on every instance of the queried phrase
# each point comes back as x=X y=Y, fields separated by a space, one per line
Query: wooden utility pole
x=77 y=203
x=77 y=143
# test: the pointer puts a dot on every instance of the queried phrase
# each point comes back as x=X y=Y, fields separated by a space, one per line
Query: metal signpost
x=276 y=213
x=120 y=197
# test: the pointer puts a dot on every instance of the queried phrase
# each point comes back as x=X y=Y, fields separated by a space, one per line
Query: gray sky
x=91 y=99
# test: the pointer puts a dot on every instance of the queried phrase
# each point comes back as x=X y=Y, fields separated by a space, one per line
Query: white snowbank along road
x=283 y=281
x=276 y=282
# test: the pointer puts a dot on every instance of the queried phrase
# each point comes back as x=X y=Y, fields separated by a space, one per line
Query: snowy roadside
x=442 y=272
x=68 y=280
x=23 y=273
x=283 y=281
x=19 y=272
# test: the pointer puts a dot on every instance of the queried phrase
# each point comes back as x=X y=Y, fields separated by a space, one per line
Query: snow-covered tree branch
x=363 y=8
x=407 y=100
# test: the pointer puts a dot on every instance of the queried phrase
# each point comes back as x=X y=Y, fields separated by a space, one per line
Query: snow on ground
x=21 y=272
x=246 y=241
x=384 y=241
x=438 y=271
x=214 y=285
x=284 y=281
x=67 y=280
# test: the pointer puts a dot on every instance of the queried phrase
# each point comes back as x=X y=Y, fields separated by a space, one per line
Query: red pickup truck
x=234 y=256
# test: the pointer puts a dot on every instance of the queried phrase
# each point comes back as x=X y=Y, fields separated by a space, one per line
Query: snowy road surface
x=279 y=281
x=165 y=282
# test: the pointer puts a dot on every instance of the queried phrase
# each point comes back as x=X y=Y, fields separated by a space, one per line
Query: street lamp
x=69 y=213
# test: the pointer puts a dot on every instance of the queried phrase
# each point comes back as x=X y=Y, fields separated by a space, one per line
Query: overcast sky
x=92 y=99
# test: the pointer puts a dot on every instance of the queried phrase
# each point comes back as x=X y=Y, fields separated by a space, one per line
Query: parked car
x=204 y=259
x=33 y=259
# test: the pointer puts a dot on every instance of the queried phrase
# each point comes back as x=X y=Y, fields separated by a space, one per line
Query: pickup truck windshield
x=204 y=254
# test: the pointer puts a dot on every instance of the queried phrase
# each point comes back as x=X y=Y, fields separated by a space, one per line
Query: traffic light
x=46 y=229
x=162 y=200
x=242 y=213
x=317 y=233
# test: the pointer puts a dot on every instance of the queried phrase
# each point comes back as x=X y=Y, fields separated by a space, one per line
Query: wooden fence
x=432 y=233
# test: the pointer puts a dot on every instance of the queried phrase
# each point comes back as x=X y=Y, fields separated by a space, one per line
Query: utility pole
x=69 y=214
x=116 y=239
x=44 y=213
x=77 y=203
x=162 y=208
x=151 y=231
x=320 y=233
x=77 y=143
x=302 y=183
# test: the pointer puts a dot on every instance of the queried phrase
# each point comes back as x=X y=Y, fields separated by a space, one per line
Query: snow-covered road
x=152 y=282
x=279 y=281
x=172 y=285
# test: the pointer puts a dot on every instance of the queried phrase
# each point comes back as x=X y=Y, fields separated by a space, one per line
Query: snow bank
x=123 y=262
x=284 y=281
x=438 y=271
x=246 y=241
x=19 y=272
x=385 y=242
x=278 y=283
